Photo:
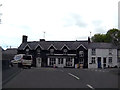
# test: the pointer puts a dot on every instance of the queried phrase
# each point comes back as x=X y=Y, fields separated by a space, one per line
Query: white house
x=118 y=57
x=102 y=55
x=0 y=53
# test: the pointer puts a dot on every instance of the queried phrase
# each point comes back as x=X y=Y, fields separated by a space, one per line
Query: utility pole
x=0 y=14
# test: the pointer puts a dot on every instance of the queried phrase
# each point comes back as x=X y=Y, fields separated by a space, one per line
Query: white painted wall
x=102 y=53
x=0 y=53
x=118 y=58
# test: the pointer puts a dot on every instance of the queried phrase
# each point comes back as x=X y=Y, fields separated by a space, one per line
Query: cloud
x=97 y=22
x=98 y=26
x=75 y=19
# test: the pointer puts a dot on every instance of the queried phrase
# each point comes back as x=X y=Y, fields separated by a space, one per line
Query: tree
x=112 y=36
x=99 y=38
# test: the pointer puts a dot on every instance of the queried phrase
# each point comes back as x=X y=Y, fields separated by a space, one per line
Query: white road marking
x=74 y=76
x=90 y=86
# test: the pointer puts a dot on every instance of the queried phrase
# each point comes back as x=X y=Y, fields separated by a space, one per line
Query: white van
x=24 y=60
x=17 y=58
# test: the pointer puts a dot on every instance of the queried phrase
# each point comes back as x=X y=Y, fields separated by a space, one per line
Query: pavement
x=64 y=78
x=9 y=73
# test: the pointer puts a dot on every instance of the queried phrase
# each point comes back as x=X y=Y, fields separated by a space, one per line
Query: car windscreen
x=27 y=57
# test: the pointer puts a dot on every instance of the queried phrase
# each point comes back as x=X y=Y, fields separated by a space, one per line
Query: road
x=64 y=78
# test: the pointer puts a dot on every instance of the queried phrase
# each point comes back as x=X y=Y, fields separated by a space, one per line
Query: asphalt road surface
x=64 y=78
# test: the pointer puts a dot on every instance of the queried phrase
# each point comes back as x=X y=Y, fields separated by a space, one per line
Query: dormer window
x=38 y=51
x=27 y=51
x=65 y=51
x=51 y=51
x=81 y=53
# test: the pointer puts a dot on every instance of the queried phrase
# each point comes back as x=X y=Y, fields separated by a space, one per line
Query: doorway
x=38 y=62
x=104 y=62
x=60 y=62
x=99 y=62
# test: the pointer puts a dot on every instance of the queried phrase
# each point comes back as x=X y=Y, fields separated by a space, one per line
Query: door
x=38 y=62
x=99 y=62
x=81 y=62
x=104 y=62
x=60 y=62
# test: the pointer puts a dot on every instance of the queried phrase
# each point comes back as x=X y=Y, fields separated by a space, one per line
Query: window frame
x=93 y=60
x=93 y=51
x=65 y=52
x=52 y=51
x=69 y=61
x=81 y=54
x=52 y=61
x=110 y=51
x=110 y=60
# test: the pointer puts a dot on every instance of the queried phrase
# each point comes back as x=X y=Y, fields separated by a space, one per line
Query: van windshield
x=27 y=57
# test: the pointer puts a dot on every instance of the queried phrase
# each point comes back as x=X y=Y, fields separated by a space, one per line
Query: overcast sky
x=59 y=19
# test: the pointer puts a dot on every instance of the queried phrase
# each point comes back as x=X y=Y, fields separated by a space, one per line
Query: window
x=38 y=51
x=81 y=61
x=65 y=51
x=68 y=61
x=27 y=57
x=27 y=51
x=118 y=60
x=51 y=51
x=93 y=60
x=60 y=60
x=110 y=59
x=52 y=61
x=110 y=51
x=81 y=53
x=93 y=52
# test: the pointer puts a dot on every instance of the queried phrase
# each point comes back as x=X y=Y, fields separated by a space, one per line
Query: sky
x=60 y=19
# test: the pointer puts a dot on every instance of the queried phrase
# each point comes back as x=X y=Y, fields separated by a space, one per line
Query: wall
x=0 y=53
x=118 y=57
x=102 y=53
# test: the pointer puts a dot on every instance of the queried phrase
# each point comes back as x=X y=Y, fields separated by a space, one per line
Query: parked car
x=25 y=60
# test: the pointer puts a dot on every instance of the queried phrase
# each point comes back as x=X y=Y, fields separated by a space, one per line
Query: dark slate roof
x=72 y=45
x=57 y=44
x=10 y=51
x=102 y=45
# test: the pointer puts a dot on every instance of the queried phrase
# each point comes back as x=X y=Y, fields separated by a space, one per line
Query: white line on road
x=74 y=76
x=90 y=86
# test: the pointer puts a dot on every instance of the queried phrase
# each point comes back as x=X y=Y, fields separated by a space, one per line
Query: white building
x=118 y=57
x=102 y=55
x=0 y=53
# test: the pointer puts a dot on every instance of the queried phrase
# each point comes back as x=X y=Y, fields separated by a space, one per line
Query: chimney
x=89 y=40
x=24 y=38
x=42 y=40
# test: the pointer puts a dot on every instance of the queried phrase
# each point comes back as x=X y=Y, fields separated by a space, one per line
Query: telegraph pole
x=0 y=14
